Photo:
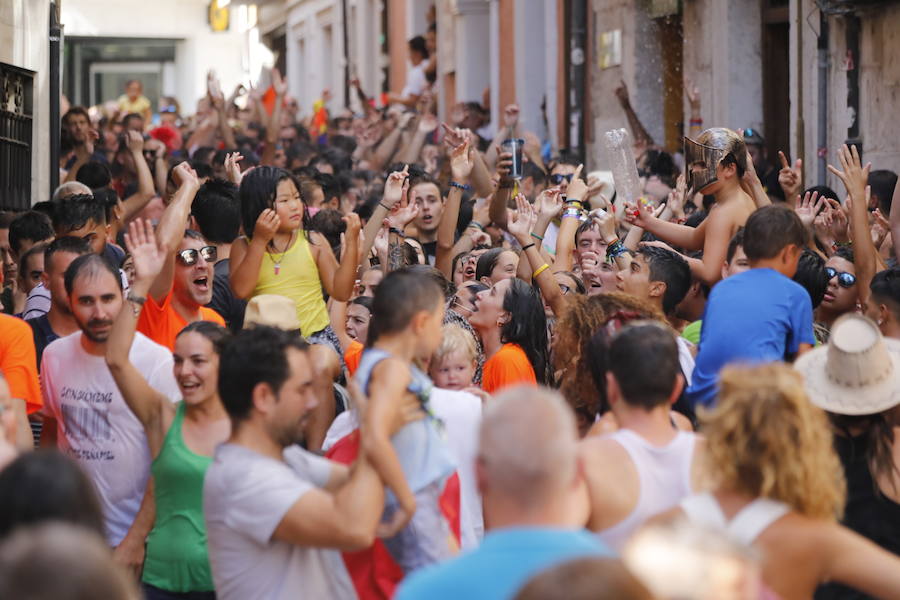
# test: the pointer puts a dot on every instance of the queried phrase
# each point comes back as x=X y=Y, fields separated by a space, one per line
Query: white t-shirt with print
x=96 y=427
x=245 y=497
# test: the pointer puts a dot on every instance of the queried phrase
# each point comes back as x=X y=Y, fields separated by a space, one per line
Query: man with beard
x=86 y=417
x=184 y=287
x=276 y=514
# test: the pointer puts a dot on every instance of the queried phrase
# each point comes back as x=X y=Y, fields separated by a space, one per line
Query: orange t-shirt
x=162 y=324
x=510 y=366
x=352 y=356
x=18 y=362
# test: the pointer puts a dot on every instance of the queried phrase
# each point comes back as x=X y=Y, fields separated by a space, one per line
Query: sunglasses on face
x=845 y=279
x=558 y=178
x=191 y=255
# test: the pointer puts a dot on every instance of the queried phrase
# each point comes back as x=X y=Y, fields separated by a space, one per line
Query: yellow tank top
x=296 y=277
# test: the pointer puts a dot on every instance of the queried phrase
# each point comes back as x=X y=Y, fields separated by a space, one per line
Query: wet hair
x=736 y=241
x=253 y=356
x=69 y=244
x=89 y=264
x=46 y=485
x=487 y=261
x=447 y=286
x=770 y=229
x=885 y=288
x=217 y=335
x=76 y=110
x=329 y=222
x=257 y=193
x=77 y=211
x=94 y=174
x=590 y=224
x=30 y=225
x=364 y=301
x=883 y=183
x=527 y=327
x=671 y=269
x=109 y=199
x=643 y=357
x=811 y=275
x=845 y=252
x=216 y=208
x=579 y=283
x=400 y=296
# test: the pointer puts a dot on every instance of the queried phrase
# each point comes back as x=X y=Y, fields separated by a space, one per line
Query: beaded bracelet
x=462 y=186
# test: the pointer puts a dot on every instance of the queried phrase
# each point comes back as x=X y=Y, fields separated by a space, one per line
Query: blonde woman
x=778 y=487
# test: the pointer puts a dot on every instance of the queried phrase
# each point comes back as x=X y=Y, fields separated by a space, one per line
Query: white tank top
x=745 y=526
x=664 y=475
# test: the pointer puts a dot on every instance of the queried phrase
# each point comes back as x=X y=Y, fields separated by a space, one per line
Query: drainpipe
x=55 y=37
x=822 y=140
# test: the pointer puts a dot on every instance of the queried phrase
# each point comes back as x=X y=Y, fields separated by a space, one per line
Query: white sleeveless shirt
x=664 y=475
x=745 y=526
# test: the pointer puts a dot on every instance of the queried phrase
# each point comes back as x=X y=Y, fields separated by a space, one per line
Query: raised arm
x=413 y=149
x=854 y=176
x=461 y=164
x=565 y=239
x=689 y=238
x=790 y=178
x=279 y=84
x=147 y=404
x=520 y=226
x=146 y=188
x=499 y=200
x=338 y=278
x=395 y=188
x=170 y=230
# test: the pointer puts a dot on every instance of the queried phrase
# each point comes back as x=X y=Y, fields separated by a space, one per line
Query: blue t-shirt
x=501 y=565
x=753 y=317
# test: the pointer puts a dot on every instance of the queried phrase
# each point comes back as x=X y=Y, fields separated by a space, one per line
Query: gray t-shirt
x=245 y=497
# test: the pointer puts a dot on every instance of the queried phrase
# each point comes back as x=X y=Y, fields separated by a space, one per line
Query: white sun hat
x=857 y=372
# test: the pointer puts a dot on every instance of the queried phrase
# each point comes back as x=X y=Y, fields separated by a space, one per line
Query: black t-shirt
x=43 y=335
x=224 y=301
x=769 y=181
x=114 y=255
x=430 y=250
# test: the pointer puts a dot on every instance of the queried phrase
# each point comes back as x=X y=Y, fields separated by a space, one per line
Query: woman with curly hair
x=777 y=485
x=579 y=353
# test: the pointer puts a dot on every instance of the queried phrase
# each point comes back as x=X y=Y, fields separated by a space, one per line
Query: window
x=16 y=101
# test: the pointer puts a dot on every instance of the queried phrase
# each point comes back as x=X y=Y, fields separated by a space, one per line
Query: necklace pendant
x=277 y=268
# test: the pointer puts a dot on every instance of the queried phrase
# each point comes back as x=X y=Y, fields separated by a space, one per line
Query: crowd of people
x=270 y=353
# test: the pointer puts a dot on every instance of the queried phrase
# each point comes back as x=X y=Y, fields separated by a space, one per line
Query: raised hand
x=279 y=83
x=606 y=222
x=85 y=151
x=267 y=225
x=675 y=200
x=353 y=224
x=232 y=168
x=577 y=188
x=838 y=221
x=522 y=221
x=183 y=174
x=549 y=203
x=403 y=212
x=693 y=95
x=640 y=214
x=790 y=179
x=143 y=246
x=393 y=187
x=135 y=141
x=808 y=208
x=854 y=175
x=504 y=166
x=461 y=163
x=511 y=116
x=454 y=137
x=382 y=239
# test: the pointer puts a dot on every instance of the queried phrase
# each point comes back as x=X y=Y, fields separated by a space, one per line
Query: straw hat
x=857 y=373
x=272 y=310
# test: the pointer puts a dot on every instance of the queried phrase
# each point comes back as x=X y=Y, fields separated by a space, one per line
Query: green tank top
x=177 y=559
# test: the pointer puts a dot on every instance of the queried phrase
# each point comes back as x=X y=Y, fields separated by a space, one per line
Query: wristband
x=615 y=250
x=462 y=186
x=572 y=213
x=537 y=237
x=396 y=231
x=476 y=224
x=137 y=304
x=696 y=122
x=385 y=206
x=527 y=246
x=540 y=270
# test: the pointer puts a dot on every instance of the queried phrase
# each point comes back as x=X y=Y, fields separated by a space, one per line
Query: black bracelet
x=384 y=206
x=396 y=231
x=527 y=246
x=462 y=186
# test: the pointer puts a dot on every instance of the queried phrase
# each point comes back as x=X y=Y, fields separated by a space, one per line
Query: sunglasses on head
x=191 y=255
x=558 y=178
x=845 y=279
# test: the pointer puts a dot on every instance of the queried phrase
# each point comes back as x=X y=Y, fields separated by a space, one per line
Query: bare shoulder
x=603 y=456
x=392 y=372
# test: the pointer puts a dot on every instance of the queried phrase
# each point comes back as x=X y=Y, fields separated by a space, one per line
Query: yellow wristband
x=540 y=270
